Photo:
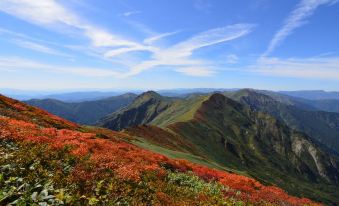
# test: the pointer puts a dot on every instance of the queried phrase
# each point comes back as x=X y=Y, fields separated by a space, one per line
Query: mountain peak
x=220 y=101
x=150 y=95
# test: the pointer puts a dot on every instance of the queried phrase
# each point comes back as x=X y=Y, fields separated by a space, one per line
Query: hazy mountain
x=87 y=112
x=329 y=105
x=185 y=92
x=312 y=94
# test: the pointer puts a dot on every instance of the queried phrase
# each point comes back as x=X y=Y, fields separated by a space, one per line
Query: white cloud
x=204 y=39
x=119 y=51
x=297 y=18
x=312 y=68
x=196 y=71
x=158 y=37
x=180 y=54
x=51 y=14
x=232 y=59
x=129 y=13
x=38 y=47
x=17 y=64
x=202 y=5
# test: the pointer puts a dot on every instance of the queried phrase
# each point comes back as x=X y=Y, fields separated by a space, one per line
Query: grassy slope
x=206 y=136
x=322 y=126
x=179 y=111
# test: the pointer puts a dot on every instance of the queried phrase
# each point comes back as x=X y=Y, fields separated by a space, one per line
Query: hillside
x=68 y=167
x=18 y=110
x=86 y=112
x=328 y=105
x=320 y=125
x=141 y=111
x=224 y=131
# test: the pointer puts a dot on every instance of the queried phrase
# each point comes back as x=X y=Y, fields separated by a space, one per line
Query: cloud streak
x=310 y=68
x=38 y=47
x=297 y=18
x=197 y=71
x=153 y=39
x=50 y=14
x=12 y=64
x=180 y=54
x=206 y=38
x=129 y=13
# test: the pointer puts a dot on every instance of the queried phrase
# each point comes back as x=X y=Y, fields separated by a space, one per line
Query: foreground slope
x=86 y=112
x=224 y=131
x=43 y=165
x=20 y=111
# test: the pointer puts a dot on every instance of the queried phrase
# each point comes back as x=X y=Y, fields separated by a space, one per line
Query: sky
x=166 y=44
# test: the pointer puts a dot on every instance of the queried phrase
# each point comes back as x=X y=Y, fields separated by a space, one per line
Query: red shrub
x=129 y=161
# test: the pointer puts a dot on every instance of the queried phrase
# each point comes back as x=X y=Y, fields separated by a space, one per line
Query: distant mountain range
x=313 y=94
x=317 y=118
x=78 y=96
x=86 y=112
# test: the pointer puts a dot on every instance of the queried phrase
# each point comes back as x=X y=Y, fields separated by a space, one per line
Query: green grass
x=180 y=111
x=182 y=155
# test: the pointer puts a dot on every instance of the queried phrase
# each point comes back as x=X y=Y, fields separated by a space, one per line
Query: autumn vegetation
x=49 y=161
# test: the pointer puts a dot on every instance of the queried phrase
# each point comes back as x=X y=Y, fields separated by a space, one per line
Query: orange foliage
x=18 y=110
x=129 y=161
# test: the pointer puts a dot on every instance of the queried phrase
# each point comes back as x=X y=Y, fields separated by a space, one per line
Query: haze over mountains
x=86 y=112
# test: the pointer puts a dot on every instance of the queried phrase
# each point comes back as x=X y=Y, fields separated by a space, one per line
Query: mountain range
x=278 y=139
x=248 y=135
x=47 y=160
x=86 y=112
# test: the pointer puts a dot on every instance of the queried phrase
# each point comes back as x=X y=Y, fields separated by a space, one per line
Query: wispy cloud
x=158 y=37
x=22 y=64
x=207 y=38
x=297 y=18
x=232 y=59
x=180 y=54
x=202 y=5
x=129 y=13
x=38 y=47
x=51 y=14
x=197 y=71
x=311 y=68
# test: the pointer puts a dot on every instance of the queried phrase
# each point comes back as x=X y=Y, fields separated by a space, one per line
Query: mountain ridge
x=113 y=171
x=230 y=133
x=86 y=112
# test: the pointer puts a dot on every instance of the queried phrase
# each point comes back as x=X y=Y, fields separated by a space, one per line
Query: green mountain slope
x=230 y=134
x=141 y=111
x=87 y=112
x=328 y=105
x=320 y=125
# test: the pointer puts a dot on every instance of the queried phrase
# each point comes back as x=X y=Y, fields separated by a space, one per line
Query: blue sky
x=147 y=44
